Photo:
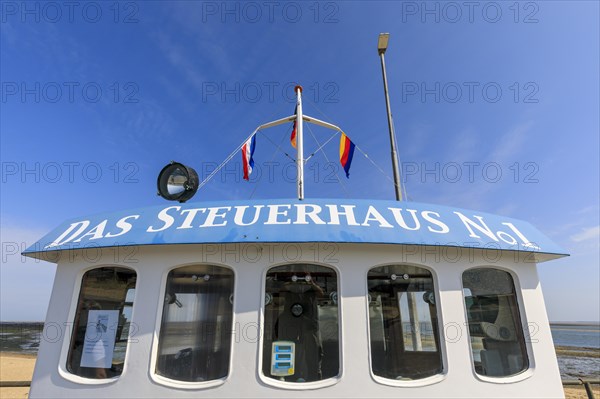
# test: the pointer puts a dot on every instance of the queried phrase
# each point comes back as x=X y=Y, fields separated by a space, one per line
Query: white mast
x=299 y=143
x=299 y=118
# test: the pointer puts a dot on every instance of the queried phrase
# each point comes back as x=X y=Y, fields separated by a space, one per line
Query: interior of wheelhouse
x=495 y=328
x=299 y=335
x=106 y=290
x=195 y=333
x=403 y=323
x=301 y=329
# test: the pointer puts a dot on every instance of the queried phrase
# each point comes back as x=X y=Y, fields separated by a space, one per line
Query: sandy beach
x=18 y=367
x=15 y=367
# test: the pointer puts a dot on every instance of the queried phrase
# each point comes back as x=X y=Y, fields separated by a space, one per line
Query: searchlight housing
x=177 y=182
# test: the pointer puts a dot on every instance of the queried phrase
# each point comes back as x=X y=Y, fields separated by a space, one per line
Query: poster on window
x=100 y=335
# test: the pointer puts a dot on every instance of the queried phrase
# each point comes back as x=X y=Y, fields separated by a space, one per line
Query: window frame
x=187 y=385
x=295 y=386
x=529 y=371
x=434 y=379
x=69 y=326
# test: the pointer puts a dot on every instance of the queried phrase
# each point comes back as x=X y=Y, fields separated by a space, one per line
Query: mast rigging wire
x=319 y=148
x=402 y=184
x=329 y=162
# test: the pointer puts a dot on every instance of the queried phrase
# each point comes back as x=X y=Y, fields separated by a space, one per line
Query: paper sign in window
x=100 y=334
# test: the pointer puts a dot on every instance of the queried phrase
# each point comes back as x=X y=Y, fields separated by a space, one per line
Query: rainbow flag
x=247 y=156
x=346 y=153
x=293 y=136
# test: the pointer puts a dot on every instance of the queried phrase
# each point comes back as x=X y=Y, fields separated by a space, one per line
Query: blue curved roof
x=285 y=220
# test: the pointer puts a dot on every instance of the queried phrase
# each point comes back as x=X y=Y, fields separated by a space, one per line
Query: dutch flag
x=247 y=154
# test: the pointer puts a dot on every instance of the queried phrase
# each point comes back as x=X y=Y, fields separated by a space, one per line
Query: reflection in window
x=102 y=323
x=195 y=334
x=301 y=332
x=497 y=339
x=403 y=323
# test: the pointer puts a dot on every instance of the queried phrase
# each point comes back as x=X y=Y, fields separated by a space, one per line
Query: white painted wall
x=541 y=380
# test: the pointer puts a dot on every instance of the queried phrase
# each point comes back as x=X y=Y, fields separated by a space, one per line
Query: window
x=195 y=334
x=405 y=342
x=301 y=332
x=102 y=321
x=497 y=339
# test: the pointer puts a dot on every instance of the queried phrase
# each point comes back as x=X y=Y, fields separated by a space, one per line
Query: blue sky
x=496 y=108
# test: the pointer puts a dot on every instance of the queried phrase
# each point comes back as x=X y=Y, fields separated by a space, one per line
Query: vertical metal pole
x=588 y=389
x=299 y=143
x=391 y=128
x=415 y=325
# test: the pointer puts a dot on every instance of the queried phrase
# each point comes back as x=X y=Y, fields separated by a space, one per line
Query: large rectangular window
x=301 y=331
x=403 y=323
x=102 y=322
x=497 y=339
x=194 y=344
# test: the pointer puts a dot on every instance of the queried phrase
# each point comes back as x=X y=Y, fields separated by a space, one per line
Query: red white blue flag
x=346 y=153
x=247 y=154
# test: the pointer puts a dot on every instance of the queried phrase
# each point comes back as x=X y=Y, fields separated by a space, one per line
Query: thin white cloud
x=508 y=209
x=467 y=144
x=481 y=194
x=511 y=143
x=588 y=233
x=587 y=210
x=420 y=136
x=178 y=57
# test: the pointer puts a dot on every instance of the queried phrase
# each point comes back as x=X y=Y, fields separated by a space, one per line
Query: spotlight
x=177 y=182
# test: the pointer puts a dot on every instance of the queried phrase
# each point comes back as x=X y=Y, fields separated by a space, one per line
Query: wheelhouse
x=298 y=299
